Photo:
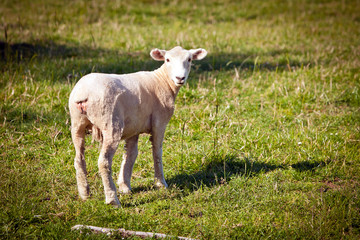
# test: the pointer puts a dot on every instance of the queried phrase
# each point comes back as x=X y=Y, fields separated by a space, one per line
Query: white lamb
x=120 y=107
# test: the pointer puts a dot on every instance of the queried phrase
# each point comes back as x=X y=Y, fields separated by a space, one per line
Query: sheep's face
x=178 y=62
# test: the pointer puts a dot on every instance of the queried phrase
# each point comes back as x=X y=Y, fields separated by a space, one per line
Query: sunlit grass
x=264 y=141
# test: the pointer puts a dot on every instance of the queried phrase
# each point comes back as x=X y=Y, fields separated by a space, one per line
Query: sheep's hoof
x=115 y=203
x=125 y=192
x=124 y=189
x=160 y=184
x=84 y=195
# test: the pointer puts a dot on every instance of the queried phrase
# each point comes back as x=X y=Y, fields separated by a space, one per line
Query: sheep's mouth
x=180 y=82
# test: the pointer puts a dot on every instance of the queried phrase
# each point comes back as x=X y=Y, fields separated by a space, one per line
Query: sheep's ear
x=157 y=54
x=198 y=54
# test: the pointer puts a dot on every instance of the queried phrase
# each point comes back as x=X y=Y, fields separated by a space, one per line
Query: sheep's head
x=178 y=61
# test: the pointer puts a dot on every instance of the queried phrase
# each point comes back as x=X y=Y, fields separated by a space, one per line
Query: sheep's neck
x=163 y=75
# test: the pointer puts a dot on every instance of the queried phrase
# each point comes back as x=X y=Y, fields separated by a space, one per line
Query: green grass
x=264 y=142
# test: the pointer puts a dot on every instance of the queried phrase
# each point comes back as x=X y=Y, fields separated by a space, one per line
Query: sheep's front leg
x=157 y=140
x=108 y=150
x=129 y=157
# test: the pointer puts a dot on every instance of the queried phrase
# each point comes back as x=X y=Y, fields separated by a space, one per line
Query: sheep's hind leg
x=78 y=137
x=108 y=149
x=129 y=157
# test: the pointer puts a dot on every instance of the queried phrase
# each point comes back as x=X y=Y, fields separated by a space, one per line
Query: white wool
x=120 y=107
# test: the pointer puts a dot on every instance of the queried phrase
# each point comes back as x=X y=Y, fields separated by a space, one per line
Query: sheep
x=120 y=107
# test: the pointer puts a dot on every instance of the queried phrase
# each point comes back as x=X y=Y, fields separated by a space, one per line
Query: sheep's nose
x=180 y=78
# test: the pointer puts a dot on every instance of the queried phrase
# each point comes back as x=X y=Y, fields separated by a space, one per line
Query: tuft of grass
x=264 y=142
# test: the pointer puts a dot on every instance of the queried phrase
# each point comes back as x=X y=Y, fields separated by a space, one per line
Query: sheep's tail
x=96 y=134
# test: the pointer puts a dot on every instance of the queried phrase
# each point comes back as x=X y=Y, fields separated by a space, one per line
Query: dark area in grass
x=117 y=61
x=17 y=116
x=222 y=169
x=82 y=59
x=247 y=61
x=48 y=49
x=307 y=166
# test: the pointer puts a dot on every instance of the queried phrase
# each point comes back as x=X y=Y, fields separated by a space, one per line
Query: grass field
x=264 y=142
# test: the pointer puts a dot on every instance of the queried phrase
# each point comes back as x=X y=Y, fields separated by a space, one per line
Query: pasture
x=264 y=141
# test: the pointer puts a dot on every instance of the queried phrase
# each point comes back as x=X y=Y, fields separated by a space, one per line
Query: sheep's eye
x=168 y=60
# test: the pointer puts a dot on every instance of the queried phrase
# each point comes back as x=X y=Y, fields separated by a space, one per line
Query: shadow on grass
x=78 y=60
x=220 y=170
x=307 y=166
x=71 y=62
x=17 y=52
x=285 y=61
